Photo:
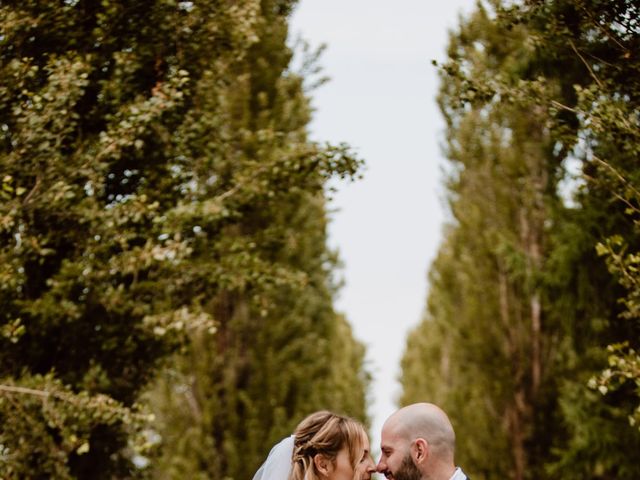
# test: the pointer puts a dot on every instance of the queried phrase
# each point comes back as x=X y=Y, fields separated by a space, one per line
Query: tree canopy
x=530 y=335
x=162 y=217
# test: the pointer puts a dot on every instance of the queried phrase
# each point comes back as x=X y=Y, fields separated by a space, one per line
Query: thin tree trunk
x=518 y=435
x=536 y=334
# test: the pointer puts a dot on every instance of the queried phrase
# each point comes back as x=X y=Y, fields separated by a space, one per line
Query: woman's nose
x=371 y=467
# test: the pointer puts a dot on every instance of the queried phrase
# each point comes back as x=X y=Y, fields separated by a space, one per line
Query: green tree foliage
x=486 y=301
x=599 y=119
x=600 y=40
x=530 y=88
x=157 y=186
x=239 y=392
x=280 y=353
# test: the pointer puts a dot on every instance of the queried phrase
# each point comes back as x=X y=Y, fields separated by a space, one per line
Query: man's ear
x=420 y=451
x=323 y=464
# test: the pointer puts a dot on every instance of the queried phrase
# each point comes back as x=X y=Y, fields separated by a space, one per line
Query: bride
x=324 y=446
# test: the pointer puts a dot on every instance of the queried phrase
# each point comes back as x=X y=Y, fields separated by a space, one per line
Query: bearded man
x=418 y=443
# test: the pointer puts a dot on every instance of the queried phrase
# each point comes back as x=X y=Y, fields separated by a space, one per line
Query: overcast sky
x=381 y=100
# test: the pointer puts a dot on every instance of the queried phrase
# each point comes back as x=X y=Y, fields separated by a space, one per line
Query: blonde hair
x=326 y=433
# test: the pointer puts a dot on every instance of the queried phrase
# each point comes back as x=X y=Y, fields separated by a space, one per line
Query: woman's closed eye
x=365 y=455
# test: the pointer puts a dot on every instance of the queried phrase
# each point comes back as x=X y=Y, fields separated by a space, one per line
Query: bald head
x=424 y=420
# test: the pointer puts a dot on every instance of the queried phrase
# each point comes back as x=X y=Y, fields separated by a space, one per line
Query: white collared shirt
x=458 y=475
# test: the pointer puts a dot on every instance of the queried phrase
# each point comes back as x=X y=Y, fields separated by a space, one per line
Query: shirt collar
x=458 y=474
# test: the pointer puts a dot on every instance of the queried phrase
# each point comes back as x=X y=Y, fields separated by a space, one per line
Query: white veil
x=277 y=466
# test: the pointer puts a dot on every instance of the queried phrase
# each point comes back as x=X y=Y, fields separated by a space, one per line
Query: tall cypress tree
x=597 y=118
x=489 y=329
x=280 y=351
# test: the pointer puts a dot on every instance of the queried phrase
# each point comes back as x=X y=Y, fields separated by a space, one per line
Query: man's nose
x=381 y=467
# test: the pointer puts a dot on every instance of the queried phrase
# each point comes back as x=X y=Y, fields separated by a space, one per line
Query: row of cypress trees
x=531 y=331
x=166 y=288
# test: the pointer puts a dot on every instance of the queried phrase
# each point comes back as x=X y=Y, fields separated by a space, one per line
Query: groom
x=418 y=443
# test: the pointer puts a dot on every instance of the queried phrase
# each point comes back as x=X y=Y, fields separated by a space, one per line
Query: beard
x=407 y=470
